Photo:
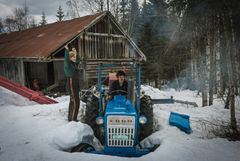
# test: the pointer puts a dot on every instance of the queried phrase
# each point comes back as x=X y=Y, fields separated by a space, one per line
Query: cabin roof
x=41 y=42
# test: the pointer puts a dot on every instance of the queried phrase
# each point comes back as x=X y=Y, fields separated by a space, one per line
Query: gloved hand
x=108 y=97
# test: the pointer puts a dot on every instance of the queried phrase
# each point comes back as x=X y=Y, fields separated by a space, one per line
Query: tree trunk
x=237 y=65
x=195 y=66
x=223 y=65
x=229 y=61
x=156 y=83
x=203 y=71
x=238 y=87
x=236 y=35
x=213 y=72
x=176 y=78
x=231 y=91
x=212 y=79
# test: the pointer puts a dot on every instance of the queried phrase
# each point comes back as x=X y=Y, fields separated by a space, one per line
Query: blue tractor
x=121 y=123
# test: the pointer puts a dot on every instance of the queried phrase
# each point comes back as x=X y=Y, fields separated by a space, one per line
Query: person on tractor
x=119 y=86
x=71 y=62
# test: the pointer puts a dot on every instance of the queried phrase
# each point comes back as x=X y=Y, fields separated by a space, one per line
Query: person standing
x=71 y=62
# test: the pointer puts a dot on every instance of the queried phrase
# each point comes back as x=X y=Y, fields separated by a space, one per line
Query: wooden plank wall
x=103 y=43
x=99 y=48
x=12 y=69
x=96 y=46
x=59 y=76
x=38 y=70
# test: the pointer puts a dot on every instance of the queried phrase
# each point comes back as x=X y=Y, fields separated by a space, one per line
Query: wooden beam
x=110 y=60
x=37 y=60
x=58 y=59
x=95 y=68
x=22 y=72
x=105 y=35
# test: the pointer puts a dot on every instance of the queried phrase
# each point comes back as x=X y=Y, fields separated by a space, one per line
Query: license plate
x=120 y=137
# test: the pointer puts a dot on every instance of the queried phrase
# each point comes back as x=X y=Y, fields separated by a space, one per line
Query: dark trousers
x=73 y=89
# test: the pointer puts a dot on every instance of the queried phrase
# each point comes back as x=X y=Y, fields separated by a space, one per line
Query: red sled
x=25 y=92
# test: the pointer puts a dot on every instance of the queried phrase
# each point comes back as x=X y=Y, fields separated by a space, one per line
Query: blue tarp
x=181 y=121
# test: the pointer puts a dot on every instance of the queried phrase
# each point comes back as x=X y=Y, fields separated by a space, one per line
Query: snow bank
x=70 y=135
x=184 y=95
x=42 y=132
x=10 y=98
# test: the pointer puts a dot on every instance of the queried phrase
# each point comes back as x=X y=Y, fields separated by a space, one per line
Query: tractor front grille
x=120 y=131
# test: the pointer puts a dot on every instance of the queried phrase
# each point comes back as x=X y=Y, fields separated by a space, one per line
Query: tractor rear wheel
x=91 y=113
x=146 y=109
x=83 y=147
x=85 y=95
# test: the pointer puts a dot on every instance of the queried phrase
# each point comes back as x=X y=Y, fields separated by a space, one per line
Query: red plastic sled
x=25 y=92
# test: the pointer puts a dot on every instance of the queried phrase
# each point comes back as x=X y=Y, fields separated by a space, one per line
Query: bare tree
x=20 y=20
x=75 y=7
x=212 y=77
x=95 y=5
x=10 y=24
x=134 y=14
x=32 y=22
x=125 y=11
x=1 y=26
x=21 y=17
x=231 y=86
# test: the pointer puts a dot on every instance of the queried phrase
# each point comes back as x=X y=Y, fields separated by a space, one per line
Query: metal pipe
x=139 y=88
x=100 y=89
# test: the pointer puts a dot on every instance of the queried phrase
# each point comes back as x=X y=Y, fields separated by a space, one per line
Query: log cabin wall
x=103 y=43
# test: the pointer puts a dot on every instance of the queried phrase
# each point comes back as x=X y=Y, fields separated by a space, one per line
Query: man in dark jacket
x=71 y=62
x=119 y=86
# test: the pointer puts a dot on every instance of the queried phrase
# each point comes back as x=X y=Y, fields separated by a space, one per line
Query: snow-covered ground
x=33 y=132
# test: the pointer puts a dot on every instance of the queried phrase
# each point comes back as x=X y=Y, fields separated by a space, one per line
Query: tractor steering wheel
x=115 y=91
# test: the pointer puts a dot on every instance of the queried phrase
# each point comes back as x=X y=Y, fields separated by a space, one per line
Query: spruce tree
x=43 y=20
x=60 y=14
x=155 y=35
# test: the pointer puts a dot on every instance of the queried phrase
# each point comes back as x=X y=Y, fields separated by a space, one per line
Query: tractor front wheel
x=83 y=147
x=146 y=109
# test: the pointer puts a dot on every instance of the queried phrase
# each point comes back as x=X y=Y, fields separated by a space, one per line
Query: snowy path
x=32 y=132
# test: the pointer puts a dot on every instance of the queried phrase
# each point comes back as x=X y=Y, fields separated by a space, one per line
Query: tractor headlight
x=142 y=120
x=99 y=120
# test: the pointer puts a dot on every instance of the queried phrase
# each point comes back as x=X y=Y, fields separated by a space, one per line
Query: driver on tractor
x=119 y=86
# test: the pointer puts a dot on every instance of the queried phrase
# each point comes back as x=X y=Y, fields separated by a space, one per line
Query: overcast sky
x=36 y=7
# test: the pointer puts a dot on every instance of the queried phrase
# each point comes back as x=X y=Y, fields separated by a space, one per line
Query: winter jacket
x=116 y=86
x=70 y=67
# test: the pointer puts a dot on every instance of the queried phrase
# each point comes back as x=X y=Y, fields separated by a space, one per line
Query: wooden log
x=194 y=104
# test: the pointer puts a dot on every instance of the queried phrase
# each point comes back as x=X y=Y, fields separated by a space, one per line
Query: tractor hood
x=121 y=106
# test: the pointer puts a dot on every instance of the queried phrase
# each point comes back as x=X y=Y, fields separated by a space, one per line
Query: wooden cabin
x=38 y=53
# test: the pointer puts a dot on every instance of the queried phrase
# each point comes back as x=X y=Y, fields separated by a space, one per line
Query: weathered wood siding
x=104 y=43
x=59 y=72
x=43 y=71
x=104 y=46
x=12 y=69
